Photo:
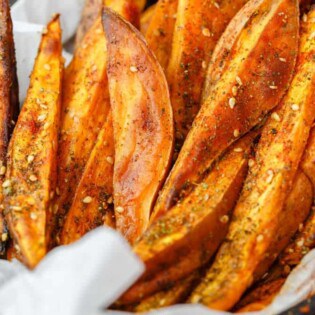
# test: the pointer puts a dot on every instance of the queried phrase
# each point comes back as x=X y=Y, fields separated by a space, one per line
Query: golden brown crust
x=31 y=171
x=260 y=76
x=142 y=121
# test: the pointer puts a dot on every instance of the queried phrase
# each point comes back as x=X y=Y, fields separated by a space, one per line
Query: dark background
x=307 y=307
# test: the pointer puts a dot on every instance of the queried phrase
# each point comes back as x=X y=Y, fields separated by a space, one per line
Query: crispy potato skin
x=9 y=104
x=146 y=18
x=160 y=31
x=142 y=121
x=93 y=201
x=296 y=209
x=260 y=297
x=31 y=170
x=258 y=212
x=199 y=25
x=189 y=234
x=170 y=296
x=92 y=9
x=260 y=78
x=85 y=108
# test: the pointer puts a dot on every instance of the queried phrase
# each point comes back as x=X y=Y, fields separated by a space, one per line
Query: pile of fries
x=193 y=138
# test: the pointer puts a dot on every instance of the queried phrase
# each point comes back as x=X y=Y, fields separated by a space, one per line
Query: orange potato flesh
x=146 y=18
x=9 y=104
x=160 y=31
x=259 y=77
x=93 y=202
x=258 y=212
x=85 y=108
x=199 y=25
x=142 y=121
x=189 y=234
x=31 y=170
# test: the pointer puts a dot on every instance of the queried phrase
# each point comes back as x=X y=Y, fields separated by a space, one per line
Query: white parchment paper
x=86 y=277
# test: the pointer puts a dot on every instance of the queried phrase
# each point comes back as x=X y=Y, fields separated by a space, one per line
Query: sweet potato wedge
x=170 y=296
x=296 y=210
x=31 y=169
x=160 y=31
x=9 y=104
x=92 y=9
x=257 y=214
x=189 y=234
x=199 y=25
x=142 y=121
x=85 y=108
x=146 y=18
x=259 y=73
x=93 y=201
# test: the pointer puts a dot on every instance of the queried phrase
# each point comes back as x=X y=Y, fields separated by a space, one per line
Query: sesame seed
x=133 y=69
x=110 y=200
x=224 y=219
x=238 y=80
x=204 y=64
x=273 y=87
x=270 y=176
x=42 y=117
x=236 y=133
x=33 y=178
x=312 y=35
x=4 y=237
x=57 y=191
x=98 y=31
x=30 y=158
x=275 y=116
x=295 y=107
x=206 y=32
x=300 y=243
x=304 y=18
x=2 y=170
x=119 y=209
x=45 y=30
x=259 y=238
x=47 y=67
x=238 y=150
x=33 y=215
x=301 y=227
x=16 y=208
x=110 y=160
x=55 y=209
x=282 y=59
x=52 y=194
x=46 y=125
x=234 y=90
x=87 y=199
x=206 y=197
x=17 y=248
x=232 y=102
x=6 y=183
x=251 y=162
x=43 y=106
x=217 y=5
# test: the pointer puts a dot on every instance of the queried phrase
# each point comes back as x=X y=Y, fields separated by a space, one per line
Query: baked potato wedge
x=9 y=104
x=142 y=122
x=93 y=201
x=259 y=73
x=160 y=31
x=189 y=234
x=32 y=155
x=199 y=25
x=258 y=212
